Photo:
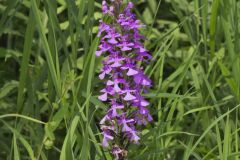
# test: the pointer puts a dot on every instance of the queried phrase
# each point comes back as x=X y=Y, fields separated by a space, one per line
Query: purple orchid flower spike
x=124 y=79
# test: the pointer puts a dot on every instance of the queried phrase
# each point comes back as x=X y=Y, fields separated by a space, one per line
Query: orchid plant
x=123 y=50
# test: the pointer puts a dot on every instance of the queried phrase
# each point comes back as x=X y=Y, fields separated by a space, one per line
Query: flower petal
x=131 y=72
x=129 y=97
x=113 y=41
x=116 y=88
x=144 y=103
x=116 y=64
x=102 y=75
x=125 y=48
x=103 y=97
x=98 y=53
x=109 y=82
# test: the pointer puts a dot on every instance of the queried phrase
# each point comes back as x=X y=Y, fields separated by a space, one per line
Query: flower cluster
x=124 y=79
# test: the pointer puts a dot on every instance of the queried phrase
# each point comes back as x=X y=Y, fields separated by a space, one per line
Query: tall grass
x=49 y=80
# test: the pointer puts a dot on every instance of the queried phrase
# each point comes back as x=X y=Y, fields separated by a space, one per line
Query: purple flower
x=125 y=46
x=103 y=48
x=113 y=110
x=108 y=90
x=124 y=79
x=116 y=61
x=106 y=137
x=105 y=70
x=104 y=119
x=133 y=136
x=142 y=79
x=116 y=84
x=129 y=96
x=117 y=152
x=131 y=70
x=140 y=101
x=125 y=124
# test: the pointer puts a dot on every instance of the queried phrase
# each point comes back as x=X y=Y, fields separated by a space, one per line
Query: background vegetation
x=49 y=80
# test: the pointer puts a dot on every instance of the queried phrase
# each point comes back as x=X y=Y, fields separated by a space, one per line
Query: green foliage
x=49 y=80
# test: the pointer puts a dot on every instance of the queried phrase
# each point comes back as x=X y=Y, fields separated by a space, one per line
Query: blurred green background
x=49 y=80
